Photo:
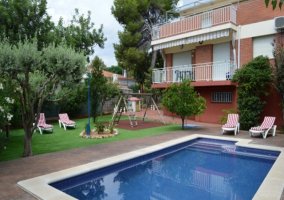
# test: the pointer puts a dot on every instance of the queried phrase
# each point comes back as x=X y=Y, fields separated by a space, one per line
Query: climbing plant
x=253 y=80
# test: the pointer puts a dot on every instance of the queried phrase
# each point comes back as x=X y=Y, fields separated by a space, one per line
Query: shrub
x=100 y=127
x=253 y=80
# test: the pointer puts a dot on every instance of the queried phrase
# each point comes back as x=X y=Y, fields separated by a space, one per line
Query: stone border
x=95 y=135
x=271 y=188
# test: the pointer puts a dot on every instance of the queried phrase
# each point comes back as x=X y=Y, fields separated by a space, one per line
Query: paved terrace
x=24 y=168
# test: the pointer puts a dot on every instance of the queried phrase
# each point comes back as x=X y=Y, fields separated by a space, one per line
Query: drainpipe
x=234 y=48
x=164 y=57
x=239 y=46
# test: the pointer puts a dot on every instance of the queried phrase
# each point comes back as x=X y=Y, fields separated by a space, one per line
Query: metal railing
x=217 y=71
x=195 y=22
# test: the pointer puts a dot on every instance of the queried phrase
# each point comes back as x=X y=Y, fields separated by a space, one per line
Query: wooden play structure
x=123 y=106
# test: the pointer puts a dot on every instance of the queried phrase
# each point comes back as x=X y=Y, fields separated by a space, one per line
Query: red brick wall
x=169 y=63
x=213 y=112
x=169 y=60
x=273 y=106
x=204 y=54
x=246 y=51
x=253 y=11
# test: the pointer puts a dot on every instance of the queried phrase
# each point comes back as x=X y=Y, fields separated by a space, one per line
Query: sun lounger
x=232 y=124
x=65 y=121
x=264 y=128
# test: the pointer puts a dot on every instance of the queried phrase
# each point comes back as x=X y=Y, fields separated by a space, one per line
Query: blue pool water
x=199 y=169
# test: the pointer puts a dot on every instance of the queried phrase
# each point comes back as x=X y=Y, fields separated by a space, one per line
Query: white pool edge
x=270 y=189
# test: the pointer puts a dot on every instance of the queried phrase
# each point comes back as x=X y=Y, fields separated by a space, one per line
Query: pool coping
x=271 y=188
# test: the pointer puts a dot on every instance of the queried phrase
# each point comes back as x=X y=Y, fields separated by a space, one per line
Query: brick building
x=208 y=42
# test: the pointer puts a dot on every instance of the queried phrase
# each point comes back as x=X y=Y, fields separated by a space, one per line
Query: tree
x=274 y=3
x=110 y=90
x=181 y=99
x=138 y=18
x=98 y=82
x=115 y=69
x=37 y=75
x=253 y=80
x=80 y=34
x=25 y=19
x=28 y=19
x=71 y=99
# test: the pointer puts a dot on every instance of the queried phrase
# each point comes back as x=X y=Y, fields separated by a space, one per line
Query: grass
x=61 y=140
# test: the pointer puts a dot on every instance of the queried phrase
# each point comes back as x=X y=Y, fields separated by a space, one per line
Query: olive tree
x=183 y=100
x=37 y=75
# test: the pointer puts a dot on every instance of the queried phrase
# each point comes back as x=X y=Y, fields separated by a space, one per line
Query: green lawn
x=62 y=140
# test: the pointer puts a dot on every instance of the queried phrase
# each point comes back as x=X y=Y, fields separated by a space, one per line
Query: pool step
x=215 y=148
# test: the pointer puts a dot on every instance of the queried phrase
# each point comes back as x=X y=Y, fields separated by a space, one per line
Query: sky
x=100 y=14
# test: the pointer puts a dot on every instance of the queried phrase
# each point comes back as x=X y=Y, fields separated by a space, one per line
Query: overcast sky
x=101 y=14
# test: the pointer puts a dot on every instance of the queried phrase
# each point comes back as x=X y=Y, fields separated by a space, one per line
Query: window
x=263 y=46
x=222 y=97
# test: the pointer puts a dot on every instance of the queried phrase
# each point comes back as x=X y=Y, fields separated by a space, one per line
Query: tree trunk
x=141 y=88
x=182 y=121
x=154 y=58
x=102 y=107
x=164 y=57
x=27 y=144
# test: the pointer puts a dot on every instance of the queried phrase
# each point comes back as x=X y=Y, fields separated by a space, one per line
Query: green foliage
x=109 y=91
x=182 y=100
x=36 y=76
x=25 y=19
x=98 y=82
x=100 y=127
x=7 y=102
x=28 y=19
x=138 y=17
x=224 y=118
x=279 y=66
x=101 y=89
x=80 y=34
x=42 y=67
x=253 y=78
x=115 y=69
x=71 y=99
x=274 y=3
x=111 y=127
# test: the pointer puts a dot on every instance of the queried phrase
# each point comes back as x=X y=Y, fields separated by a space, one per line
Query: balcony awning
x=194 y=39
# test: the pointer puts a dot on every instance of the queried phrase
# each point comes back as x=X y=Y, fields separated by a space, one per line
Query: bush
x=100 y=127
x=73 y=100
x=253 y=80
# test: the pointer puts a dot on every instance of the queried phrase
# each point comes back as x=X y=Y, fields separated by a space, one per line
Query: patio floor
x=13 y=171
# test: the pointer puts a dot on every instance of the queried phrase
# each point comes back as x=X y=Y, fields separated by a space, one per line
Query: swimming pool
x=190 y=168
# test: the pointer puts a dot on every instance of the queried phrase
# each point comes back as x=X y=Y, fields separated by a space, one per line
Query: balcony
x=196 y=22
x=217 y=71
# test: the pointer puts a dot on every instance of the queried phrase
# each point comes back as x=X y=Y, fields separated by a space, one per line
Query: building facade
x=208 y=42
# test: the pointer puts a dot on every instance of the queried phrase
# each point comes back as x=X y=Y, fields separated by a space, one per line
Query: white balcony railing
x=217 y=71
x=203 y=20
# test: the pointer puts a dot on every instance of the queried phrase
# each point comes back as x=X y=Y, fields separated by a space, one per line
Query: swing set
x=123 y=106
